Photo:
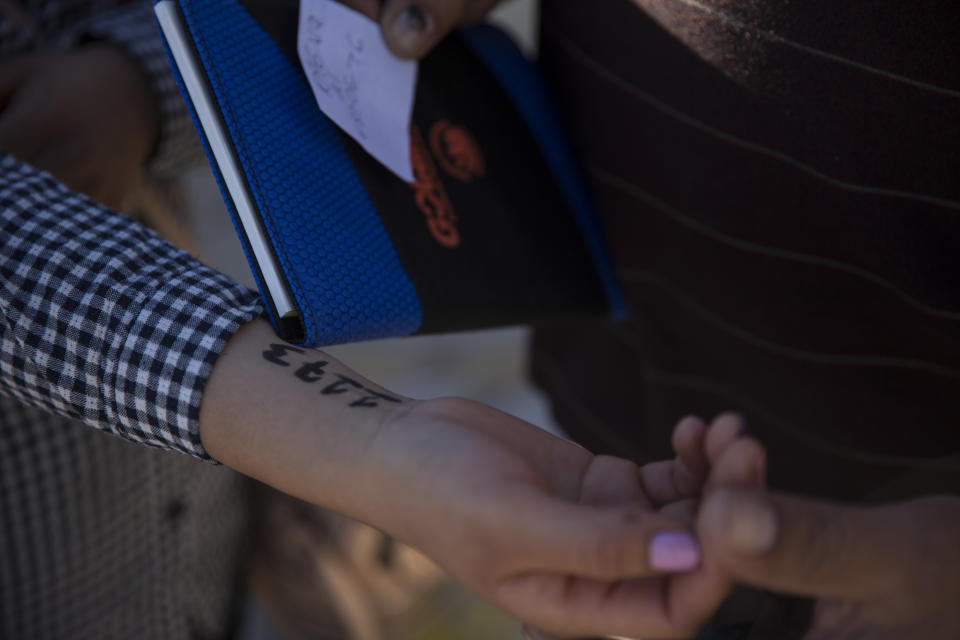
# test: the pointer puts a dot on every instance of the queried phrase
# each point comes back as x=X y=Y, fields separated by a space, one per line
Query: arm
x=533 y=523
x=102 y=320
x=106 y=322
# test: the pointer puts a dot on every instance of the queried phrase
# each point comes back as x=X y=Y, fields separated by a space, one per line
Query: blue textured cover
x=341 y=265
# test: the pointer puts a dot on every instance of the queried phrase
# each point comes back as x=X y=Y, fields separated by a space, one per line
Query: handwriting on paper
x=358 y=83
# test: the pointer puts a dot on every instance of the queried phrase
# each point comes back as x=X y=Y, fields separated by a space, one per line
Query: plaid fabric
x=105 y=321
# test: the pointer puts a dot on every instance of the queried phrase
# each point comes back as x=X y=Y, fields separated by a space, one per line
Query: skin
x=538 y=526
x=87 y=116
x=877 y=573
x=535 y=524
x=412 y=28
x=542 y=528
x=726 y=458
x=881 y=573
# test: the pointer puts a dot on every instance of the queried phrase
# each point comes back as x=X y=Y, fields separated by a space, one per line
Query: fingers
x=689 y=442
x=612 y=481
x=591 y=569
x=723 y=431
x=699 y=449
x=601 y=542
x=735 y=461
x=667 y=481
x=684 y=511
x=742 y=465
x=412 y=28
x=567 y=607
x=801 y=547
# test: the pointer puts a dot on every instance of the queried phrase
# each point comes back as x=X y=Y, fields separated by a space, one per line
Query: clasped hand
x=581 y=545
x=572 y=543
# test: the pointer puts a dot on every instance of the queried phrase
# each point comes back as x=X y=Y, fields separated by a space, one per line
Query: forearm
x=296 y=419
x=516 y=514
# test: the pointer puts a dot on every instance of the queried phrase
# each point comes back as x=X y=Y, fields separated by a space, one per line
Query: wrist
x=298 y=420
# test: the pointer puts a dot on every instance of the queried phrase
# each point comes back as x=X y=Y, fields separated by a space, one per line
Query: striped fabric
x=780 y=183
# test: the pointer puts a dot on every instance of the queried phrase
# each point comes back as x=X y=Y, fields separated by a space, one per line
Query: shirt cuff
x=103 y=320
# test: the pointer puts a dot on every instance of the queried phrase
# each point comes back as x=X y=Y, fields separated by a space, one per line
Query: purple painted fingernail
x=674 y=551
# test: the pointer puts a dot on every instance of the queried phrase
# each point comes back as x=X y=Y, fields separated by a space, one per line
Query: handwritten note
x=358 y=82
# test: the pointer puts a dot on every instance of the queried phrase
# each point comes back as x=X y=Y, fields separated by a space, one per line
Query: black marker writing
x=276 y=352
x=371 y=401
x=341 y=386
x=311 y=371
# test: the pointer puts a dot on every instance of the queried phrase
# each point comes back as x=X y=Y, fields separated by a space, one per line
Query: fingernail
x=750 y=524
x=410 y=28
x=674 y=551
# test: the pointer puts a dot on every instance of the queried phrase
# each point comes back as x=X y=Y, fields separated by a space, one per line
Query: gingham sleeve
x=103 y=320
x=132 y=25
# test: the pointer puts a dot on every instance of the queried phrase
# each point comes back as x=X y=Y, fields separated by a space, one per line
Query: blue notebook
x=496 y=230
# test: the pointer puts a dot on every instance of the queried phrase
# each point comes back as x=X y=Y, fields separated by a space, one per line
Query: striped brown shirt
x=780 y=184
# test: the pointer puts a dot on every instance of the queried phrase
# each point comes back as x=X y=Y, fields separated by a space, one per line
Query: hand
x=877 y=573
x=87 y=116
x=543 y=529
x=412 y=28
x=554 y=535
x=706 y=457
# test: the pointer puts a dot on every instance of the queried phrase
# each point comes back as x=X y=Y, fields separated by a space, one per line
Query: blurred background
x=324 y=576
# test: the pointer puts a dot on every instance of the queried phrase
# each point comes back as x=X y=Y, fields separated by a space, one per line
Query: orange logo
x=457 y=151
x=430 y=195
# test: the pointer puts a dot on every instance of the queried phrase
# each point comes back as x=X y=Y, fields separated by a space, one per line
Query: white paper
x=358 y=82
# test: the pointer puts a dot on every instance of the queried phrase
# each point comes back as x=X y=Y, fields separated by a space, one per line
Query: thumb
x=604 y=543
x=412 y=28
x=801 y=547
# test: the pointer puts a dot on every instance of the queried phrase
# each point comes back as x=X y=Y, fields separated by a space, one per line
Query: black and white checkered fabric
x=106 y=324
x=105 y=321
